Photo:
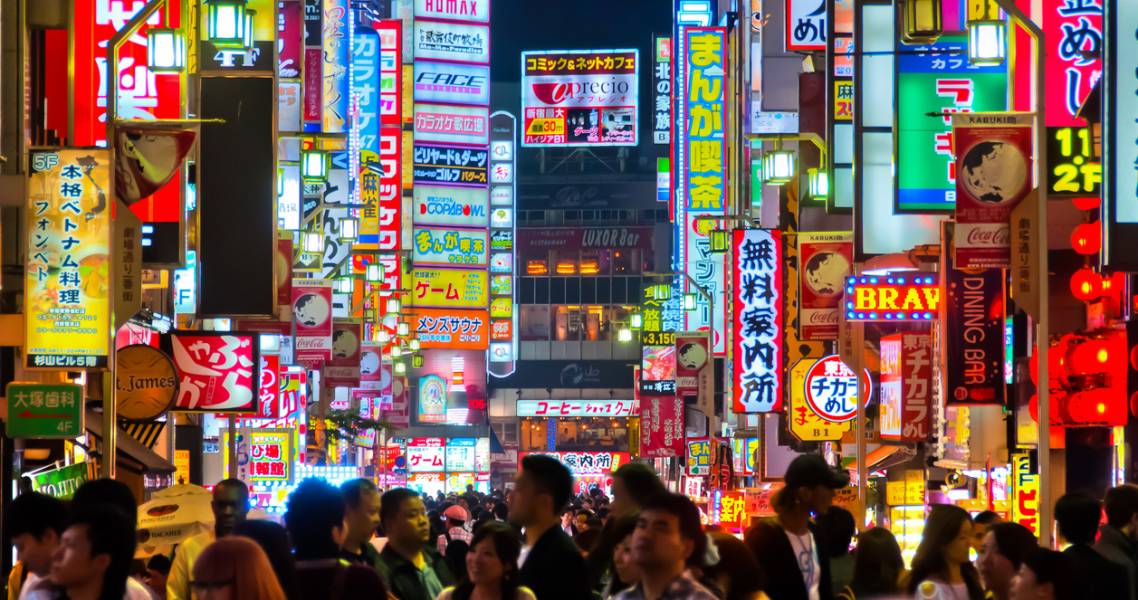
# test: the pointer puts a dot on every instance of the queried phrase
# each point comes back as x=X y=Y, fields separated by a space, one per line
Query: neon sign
x=892 y=298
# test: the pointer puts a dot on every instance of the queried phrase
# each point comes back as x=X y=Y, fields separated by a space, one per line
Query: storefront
x=578 y=425
x=447 y=465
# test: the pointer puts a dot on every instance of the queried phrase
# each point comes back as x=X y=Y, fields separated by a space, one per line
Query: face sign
x=994 y=172
x=344 y=343
x=72 y=562
x=692 y=356
x=826 y=272
x=656 y=541
x=410 y=525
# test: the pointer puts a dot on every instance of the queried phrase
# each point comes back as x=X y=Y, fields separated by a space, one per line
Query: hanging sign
x=694 y=372
x=757 y=320
x=805 y=25
x=269 y=390
x=662 y=88
x=448 y=165
x=825 y=260
x=62 y=482
x=906 y=387
x=1025 y=492
x=459 y=42
x=661 y=426
x=451 y=329
x=217 y=372
x=973 y=334
x=892 y=298
x=145 y=382
x=831 y=391
x=312 y=316
x=699 y=456
x=805 y=422
x=702 y=172
x=343 y=370
x=42 y=411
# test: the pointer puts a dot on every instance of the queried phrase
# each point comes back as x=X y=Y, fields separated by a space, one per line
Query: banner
x=1025 y=492
x=757 y=320
x=448 y=288
x=448 y=165
x=826 y=259
x=290 y=39
x=217 y=372
x=993 y=167
x=702 y=180
x=662 y=89
x=694 y=371
x=337 y=53
x=312 y=316
x=343 y=370
x=459 y=329
x=906 y=387
x=661 y=426
x=459 y=42
x=580 y=98
x=973 y=333
x=270 y=388
x=67 y=274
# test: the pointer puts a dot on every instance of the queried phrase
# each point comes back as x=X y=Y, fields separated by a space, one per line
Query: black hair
x=640 y=481
x=736 y=560
x=108 y=492
x=1052 y=567
x=501 y=511
x=273 y=539
x=236 y=484
x=1013 y=541
x=943 y=525
x=587 y=539
x=986 y=517
x=507 y=545
x=392 y=502
x=687 y=516
x=354 y=490
x=109 y=532
x=160 y=563
x=315 y=508
x=599 y=561
x=877 y=564
x=550 y=477
x=35 y=513
x=837 y=528
x=1078 y=516
x=1121 y=503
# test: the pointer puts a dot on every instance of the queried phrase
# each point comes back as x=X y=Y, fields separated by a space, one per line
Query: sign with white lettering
x=451 y=83
x=578 y=408
x=442 y=40
x=454 y=10
x=892 y=298
x=757 y=320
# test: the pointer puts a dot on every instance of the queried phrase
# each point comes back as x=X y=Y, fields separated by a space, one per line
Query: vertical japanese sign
x=825 y=260
x=973 y=328
x=937 y=78
x=703 y=157
x=312 y=315
x=38 y=410
x=757 y=320
x=290 y=39
x=313 y=65
x=707 y=269
x=67 y=274
x=1074 y=33
x=1025 y=492
x=906 y=386
x=662 y=88
x=805 y=25
x=503 y=186
x=269 y=391
x=336 y=39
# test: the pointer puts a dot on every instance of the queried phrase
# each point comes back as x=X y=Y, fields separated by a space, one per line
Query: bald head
x=230 y=505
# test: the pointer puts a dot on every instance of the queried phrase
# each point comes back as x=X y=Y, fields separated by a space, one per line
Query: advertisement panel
x=699 y=456
x=708 y=270
x=454 y=10
x=436 y=246
x=270 y=388
x=390 y=72
x=826 y=259
x=578 y=408
x=538 y=240
x=586 y=463
x=702 y=158
x=1073 y=32
x=267 y=457
x=460 y=455
x=459 y=329
x=662 y=89
x=906 y=386
x=993 y=166
x=336 y=53
x=68 y=230
x=343 y=370
x=443 y=40
x=973 y=333
x=892 y=298
x=448 y=165
x=448 y=288
x=43 y=411
x=216 y=371
x=451 y=83
x=452 y=124
x=426 y=455
x=580 y=97
x=290 y=21
x=694 y=371
x=432 y=399
x=805 y=25
x=757 y=320
x=452 y=206
x=1025 y=492
x=381 y=192
x=312 y=315
x=805 y=422
x=661 y=426
x=937 y=78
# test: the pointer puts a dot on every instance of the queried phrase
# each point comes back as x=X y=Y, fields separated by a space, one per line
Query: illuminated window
x=536 y=267
x=566 y=267
x=589 y=266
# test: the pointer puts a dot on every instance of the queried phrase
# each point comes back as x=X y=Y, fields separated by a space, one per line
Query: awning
x=878 y=455
x=131 y=454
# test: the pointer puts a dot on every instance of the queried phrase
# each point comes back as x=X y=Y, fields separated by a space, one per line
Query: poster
x=757 y=320
x=343 y=370
x=661 y=426
x=993 y=166
x=694 y=371
x=67 y=273
x=216 y=371
x=312 y=316
x=826 y=259
x=456 y=329
x=906 y=387
x=580 y=98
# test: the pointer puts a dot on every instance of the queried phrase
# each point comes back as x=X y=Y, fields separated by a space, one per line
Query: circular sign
x=145 y=382
x=831 y=392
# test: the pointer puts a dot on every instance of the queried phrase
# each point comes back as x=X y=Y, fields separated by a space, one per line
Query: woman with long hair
x=1003 y=550
x=878 y=566
x=941 y=569
x=273 y=539
x=625 y=573
x=235 y=568
x=491 y=567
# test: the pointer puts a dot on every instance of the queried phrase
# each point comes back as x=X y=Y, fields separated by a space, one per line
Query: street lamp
x=313 y=165
x=922 y=21
x=400 y=368
x=344 y=285
x=415 y=345
x=636 y=320
x=719 y=240
x=313 y=242
x=403 y=329
x=248 y=39
x=778 y=166
x=396 y=351
x=819 y=181
x=393 y=306
x=226 y=23
x=349 y=229
x=987 y=34
x=689 y=301
x=375 y=274
x=165 y=50
x=624 y=335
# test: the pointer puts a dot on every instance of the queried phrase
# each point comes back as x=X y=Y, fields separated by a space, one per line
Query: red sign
x=270 y=390
x=757 y=317
x=1074 y=35
x=892 y=298
x=825 y=260
x=391 y=72
x=313 y=78
x=399 y=415
x=731 y=510
x=693 y=371
x=216 y=371
x=831 y=389
x=661 y=426
x=586 y=463
x=290 y=22
x=312 y=315
x=390 y=188
x=906 y=386
x=344 y=368
x=284 y=271
x=371 y=371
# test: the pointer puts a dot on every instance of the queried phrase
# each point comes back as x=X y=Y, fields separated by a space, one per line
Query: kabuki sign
x=892 y=298
x=757 y=320
x=580 y=97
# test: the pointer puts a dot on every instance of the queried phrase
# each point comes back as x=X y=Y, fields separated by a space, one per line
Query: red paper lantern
x=1086 y=284
x=1086 y=239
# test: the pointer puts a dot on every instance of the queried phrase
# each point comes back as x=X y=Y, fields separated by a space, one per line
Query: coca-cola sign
x=985 y=235
x=825 y=260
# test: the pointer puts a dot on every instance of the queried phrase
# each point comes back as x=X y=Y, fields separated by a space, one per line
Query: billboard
x=825 y=259
x=448 y=288
x=437 y=246
x=757 y=320
x=459 y=329
x=454 y=10
x=459 y=42
x=892 y=298
x=450 y=165
x=216 y=371
x=312 y=316
x=451 y=83
x=580 y=97
x=452 y=124
x=702 y=160
x=804 y=422
x=972 y=332
x=452 y=206
x=578 y=408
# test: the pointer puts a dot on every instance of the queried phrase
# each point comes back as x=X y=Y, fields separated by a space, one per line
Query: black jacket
x=1102 y=578
x=402 y=577
x=772 y=548
x=555 y=568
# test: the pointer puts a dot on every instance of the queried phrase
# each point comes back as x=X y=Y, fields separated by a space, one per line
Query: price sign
x=658 y=338
x=1072 y=167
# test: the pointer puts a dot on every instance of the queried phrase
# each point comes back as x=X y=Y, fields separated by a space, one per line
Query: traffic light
x=1087 y=375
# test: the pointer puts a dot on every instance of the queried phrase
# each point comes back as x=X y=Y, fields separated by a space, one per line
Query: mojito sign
x=39 y=411
x=62 y=482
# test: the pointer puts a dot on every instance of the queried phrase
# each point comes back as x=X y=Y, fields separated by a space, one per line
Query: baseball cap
x=457 y=513
x=808 y=470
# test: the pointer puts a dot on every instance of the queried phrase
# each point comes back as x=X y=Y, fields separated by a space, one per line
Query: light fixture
x=313 y=242
x=624 y=335
x=349 y=229
x=400 y=368
x=661 y=292
x=403 y=329
x=344 y=285
x=819 y=181
x=384 y=336
x=987 y=34
x=636 y=320
x=778 y=166
x=922 y=21
x=248 y=41
x=689 y=301
x=165 y=50
x=719 y=240
x=393 y=306
x=314 y=165
x=414 y=345
x=396 y=352
x=375 y=274
x=226 y=23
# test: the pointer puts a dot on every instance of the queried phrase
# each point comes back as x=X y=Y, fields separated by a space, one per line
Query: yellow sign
x=805 y=424
x=915 y=487
x=895 y=493
x=449 y=288
x=843 y=100
x=67 y=274
x=181 y=466
x=1025 y=493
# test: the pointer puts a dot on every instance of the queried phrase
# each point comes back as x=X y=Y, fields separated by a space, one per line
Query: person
x=787 y=545
x=980 y=524
x=1077 y=515
x=737 y=575
x=116 y=495
x=273 y=540
x=361 y=500
x=1118 y=539
x=878 y=566
x=92 y=560
x=941 y=569
x=454 y=518
x=157 y=570
x=1045 y=575
x=314 y=518
x=408 y=563
x=632 y=485
x=567 y=524
x=1004 y=548
x=230 y=505
x=837 y=529
x=491 y=567
x=625 y=572
x=234 y=568
x=35 y=523
x=550 y=563
x=587 y=540
x=583 y=519
x=667 y=540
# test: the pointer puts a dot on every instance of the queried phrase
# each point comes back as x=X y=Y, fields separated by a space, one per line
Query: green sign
x=61 y=482
x=936 y=79
x=42 y=410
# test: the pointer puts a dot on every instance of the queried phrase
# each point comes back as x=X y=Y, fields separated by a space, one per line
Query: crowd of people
x=542 y=542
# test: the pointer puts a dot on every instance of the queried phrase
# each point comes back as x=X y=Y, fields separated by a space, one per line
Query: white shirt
x=523 y=555
x=43 y=589
x=806 y=555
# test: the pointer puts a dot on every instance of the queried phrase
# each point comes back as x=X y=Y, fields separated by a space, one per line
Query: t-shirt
x=523 y=555
x=939 y=590
x=806 y=554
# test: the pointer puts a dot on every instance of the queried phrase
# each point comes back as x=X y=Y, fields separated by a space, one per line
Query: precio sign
x=892 y=298
x=580 y=97
x=462 y=207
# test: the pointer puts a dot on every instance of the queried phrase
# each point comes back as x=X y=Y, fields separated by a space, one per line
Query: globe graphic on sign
x=692 y=356
x=345 y=343
x=311 y=310
x=825 y=273
x=369 y=363
x=994 y=172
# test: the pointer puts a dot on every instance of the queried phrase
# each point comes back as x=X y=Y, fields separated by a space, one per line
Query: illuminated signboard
x=906 y=386
x=892 y=298
x=454 y=10
x=805 y=25
x=336 y=38
x=426 y=455
x=216 y=371
x=699 y=456
x=451 y=83
x=432 y=399
x=1073 y=31
x=268 y=456
x=376 y=67
x=443 y=40
x=445 y=165
x=452 y=124
x=447 y=288
x=435 y=246
x=580 y=98
x=460 y=207
x=831 y=391
x=1072 y=168
x=662 y=86
x=466 y=329
x=578 y=408
x=702 y=159
x=586 y=463
x=1025 y=492
x=460 y=454
x=757 y=320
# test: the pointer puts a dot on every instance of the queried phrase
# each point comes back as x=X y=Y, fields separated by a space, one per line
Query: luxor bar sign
x=898 y=298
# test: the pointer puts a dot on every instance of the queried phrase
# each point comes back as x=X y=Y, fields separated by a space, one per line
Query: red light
x=1088 y=203
x=1086 y=239
x=1086 y=284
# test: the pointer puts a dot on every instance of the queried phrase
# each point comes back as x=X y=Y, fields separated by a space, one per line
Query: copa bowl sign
x=831 y=389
